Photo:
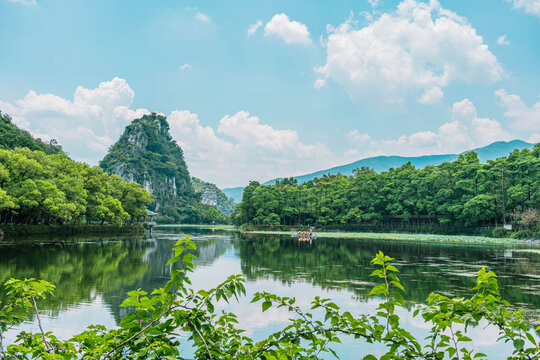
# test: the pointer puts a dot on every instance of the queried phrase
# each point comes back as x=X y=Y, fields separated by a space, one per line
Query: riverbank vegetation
x=457 y=197
x=38 y=188
x=150 y=331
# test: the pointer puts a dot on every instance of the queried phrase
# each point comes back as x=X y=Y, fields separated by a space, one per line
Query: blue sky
x=313 y=84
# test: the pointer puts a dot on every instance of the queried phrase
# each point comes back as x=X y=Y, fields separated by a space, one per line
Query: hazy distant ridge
x=383 y=163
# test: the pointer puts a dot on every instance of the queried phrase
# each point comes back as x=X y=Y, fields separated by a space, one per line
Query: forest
x=37 y=188
x=462 y=193
x=40 y=184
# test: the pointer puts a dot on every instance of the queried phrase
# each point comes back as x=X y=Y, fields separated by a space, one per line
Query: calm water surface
x=92 y=276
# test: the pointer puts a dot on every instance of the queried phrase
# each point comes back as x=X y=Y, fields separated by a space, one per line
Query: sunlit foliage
x=462 y=193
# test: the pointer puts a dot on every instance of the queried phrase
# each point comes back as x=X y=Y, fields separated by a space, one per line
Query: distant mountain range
x=382 y=163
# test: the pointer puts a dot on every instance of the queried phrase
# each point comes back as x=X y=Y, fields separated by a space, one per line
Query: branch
x=200 y=335
x=137 y=333
x=39 y=323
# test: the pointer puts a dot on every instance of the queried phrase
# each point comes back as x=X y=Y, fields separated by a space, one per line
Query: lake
x=92 y=276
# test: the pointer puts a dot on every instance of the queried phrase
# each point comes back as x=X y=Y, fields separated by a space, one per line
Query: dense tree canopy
x=36 y=188
x=460 y=193
x=11 y=137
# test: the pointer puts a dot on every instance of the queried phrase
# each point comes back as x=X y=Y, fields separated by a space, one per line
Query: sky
x=255 y=90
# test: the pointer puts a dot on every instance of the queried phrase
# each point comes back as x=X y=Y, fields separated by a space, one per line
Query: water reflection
x=425 y=266
x=92 y=275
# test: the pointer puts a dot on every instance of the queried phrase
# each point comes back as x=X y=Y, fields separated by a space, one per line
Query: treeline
x=37 y=188
x=462 y=193
x=12 y=137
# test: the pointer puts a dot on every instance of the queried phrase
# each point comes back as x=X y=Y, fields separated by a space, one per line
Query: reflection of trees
x=111 y=267
x=83 y=267
x=425 y=267
x=79 y=270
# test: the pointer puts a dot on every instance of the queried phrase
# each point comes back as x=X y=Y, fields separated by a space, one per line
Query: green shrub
x=499 y=232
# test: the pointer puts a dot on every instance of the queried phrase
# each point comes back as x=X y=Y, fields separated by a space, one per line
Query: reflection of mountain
x=425 y=267
x=209 y=248
x=110 y=267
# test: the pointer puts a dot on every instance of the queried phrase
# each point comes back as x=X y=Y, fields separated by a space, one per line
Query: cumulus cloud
x=464 y=132
x=239 y=148
x=529 y=6
x=242 y=146
x=86 y=126
x=254 y=27
x=292 y=32
x=431 y=96
x=524 y=118
x=373 y=3
x=416 y=51
x=502 y=40
x=186 y=67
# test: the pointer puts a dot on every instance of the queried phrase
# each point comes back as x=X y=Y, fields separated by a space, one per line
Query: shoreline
x=410 y=237
x=472 y=239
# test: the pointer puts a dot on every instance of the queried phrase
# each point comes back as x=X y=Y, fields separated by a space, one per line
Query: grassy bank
x=407 y=237
x=12 y=232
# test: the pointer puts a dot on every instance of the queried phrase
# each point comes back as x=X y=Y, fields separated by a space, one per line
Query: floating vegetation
x=198 y=226
x=410 y=237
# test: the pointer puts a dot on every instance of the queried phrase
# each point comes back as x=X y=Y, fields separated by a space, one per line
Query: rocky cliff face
x=147 y=154
x=211 y=195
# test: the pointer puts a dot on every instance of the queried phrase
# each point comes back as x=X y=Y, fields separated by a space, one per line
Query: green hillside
x=12 y=137
x=211 y=195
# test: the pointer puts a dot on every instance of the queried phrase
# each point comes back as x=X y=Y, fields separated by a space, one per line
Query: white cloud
x=373 y=3
x=319 y=83
x=464 y=132
x=502 y=40
x=186 y=67
x=292 y=32
x=529 y=6
x=524 y=118
x=24 y=2
x=431 y=96
x=202 y=17
x=239 y=148
x=415 y=51
x=254 y=27
x=86 y=126
x=243 y=148
x=357 y=137
x=535 y=138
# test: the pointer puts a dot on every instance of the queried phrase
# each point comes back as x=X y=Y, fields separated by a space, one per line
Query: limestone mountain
x=211 y=195
x=147 y=154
